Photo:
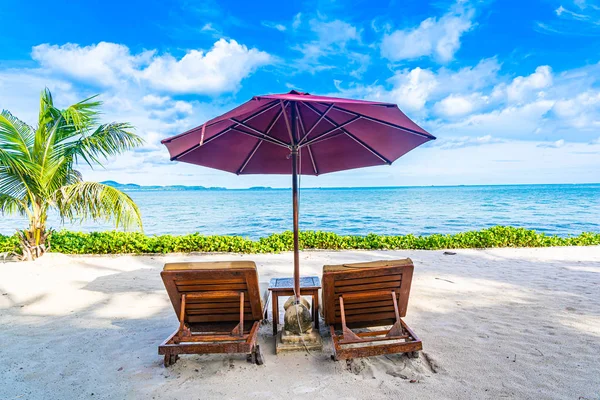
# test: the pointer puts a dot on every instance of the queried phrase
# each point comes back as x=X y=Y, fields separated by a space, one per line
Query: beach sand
x=501 y=323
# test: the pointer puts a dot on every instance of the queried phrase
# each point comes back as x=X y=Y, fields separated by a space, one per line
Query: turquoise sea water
x=553 y=209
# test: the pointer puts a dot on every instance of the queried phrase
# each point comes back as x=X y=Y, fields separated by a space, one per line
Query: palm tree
x=37 y=169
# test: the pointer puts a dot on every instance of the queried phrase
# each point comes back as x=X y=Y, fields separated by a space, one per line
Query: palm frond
x=15 y=135
x=106 y=141
x=54 y=174
x=83 y=114
x=74 y=176
x=49 y=120
x=92 y=200
x=11 y=205
x=12 y=184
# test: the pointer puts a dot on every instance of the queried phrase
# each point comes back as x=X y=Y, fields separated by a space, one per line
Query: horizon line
x=352 y=187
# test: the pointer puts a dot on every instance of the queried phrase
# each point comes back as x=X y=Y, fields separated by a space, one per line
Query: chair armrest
x=367 y=294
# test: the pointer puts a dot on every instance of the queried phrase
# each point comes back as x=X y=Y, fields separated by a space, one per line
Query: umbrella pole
x=295 y=210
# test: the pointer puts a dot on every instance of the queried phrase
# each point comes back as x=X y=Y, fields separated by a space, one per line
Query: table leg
x=275 y=301
x=266 y=316
x=316 y=309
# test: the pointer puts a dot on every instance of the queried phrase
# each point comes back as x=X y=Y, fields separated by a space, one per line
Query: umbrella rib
x=402 y=128
x=312 y=159
x=316 y=123
x=256 y=114
x=357 y=140
x=251 y=154
x=218 y=135
x=335 y=128
x=322 y=139
x=265 y=135
x=287 y=122
x=366 y=146
x=263 y=138
x=298 y=118
x=249 y=157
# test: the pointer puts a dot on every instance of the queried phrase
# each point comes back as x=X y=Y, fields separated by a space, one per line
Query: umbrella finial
x=293 y=91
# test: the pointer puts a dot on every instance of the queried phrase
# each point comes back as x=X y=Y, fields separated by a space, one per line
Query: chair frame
x=211 y=337
x=400 y=338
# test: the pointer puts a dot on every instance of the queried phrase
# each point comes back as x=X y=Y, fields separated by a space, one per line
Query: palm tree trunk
x=33 y=240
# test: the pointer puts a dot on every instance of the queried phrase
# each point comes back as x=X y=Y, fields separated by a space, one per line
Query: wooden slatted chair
x=219 y=309
x=369 y=295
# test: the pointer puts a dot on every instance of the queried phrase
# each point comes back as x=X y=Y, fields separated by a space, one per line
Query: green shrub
x=9 y=244
x=113 y=242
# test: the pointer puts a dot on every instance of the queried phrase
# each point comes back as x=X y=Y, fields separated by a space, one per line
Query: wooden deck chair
x=219 y=309
x=369 y=295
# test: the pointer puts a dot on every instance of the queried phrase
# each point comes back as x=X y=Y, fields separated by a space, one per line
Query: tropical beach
x=214 y=200
x=497 y=323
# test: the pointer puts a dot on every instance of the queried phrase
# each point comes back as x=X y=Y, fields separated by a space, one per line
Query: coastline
x=117 y=242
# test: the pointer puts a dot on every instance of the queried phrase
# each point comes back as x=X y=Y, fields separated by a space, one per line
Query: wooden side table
x=309 y=286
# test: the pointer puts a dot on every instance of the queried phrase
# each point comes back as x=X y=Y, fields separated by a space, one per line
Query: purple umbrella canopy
x=298 y=133
x=331 y=134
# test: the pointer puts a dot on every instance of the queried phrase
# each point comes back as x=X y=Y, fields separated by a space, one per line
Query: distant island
x=133 y=186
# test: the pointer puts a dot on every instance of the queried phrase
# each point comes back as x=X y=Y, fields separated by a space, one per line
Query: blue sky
x=510 y=88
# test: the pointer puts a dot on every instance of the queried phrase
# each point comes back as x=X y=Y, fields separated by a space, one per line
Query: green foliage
x=113 y=242
x=9 y=244
x=37 y=168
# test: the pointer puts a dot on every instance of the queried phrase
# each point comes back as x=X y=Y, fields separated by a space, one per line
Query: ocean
x=553 y=209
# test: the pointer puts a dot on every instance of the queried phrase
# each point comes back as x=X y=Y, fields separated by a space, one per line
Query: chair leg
x=184 y=331
x=170 y=359
x=396 y=329
x=348 y=334
x=334 y=339
x=258 y=355
x=239 y=329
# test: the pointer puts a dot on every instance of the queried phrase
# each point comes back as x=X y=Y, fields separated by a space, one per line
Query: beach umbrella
x=299 y=134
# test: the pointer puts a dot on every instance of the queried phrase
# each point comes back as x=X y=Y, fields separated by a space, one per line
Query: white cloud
x=413 y=88
x=219 y=70
x=581 y=111
x=103 y=63
x=410 y=89
x=330 y=48
x=561 y=11
x=458 y=105
x=334 y=32
x=522 y=87
x=539 y=106
x=20 y=91
x=154 y=100
x=521 y=122
x=438 y=38
x=479 y=101
x=274 y=25
x=469 y=79
x=450 y=143
x=209 y=28
x=578 y=19
x=297 y=21
x=552 y=145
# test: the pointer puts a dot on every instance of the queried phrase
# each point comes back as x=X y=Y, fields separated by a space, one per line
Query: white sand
x=506 y=323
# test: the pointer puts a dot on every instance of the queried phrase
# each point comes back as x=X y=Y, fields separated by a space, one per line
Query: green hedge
x=112 y=242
